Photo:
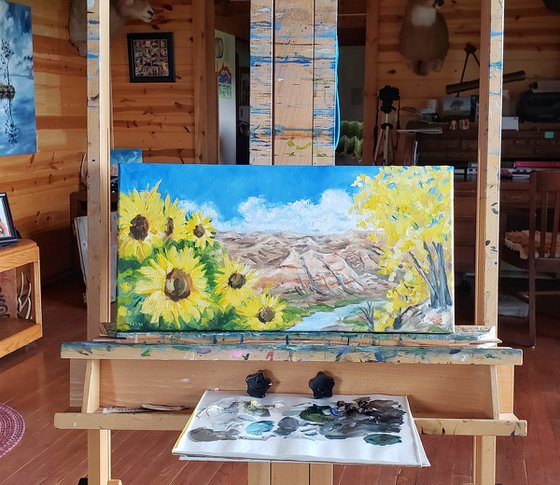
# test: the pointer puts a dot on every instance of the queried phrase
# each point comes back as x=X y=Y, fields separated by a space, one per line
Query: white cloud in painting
x=331 y=215
x=208 y=210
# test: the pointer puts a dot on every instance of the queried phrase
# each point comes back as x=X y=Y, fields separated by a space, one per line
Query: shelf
x=16 y=333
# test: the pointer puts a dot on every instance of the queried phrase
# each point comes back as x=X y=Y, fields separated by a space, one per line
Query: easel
x=454 y=388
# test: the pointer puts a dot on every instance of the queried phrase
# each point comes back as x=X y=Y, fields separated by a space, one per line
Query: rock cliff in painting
x=325 y=266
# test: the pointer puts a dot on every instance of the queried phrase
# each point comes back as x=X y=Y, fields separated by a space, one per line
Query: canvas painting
x=17 y=87
x=120 y=156
x=288 y=427
x=285 y=248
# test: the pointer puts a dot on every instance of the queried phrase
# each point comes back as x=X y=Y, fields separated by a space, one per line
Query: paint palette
x=372 y=429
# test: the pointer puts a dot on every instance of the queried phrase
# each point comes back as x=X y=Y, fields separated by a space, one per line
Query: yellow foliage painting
x=295 y=249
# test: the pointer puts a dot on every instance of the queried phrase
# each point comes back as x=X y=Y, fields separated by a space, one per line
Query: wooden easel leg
x=99 y=457
x=484 y=460
x=290 y=474
x=258 y=473
x=321 y=475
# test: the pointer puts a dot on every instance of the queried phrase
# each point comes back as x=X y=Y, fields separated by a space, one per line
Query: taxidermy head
x=424 y=39
x=122 y=12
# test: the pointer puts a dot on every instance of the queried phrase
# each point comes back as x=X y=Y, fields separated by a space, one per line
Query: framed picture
x=151 y=58
x=7 y=229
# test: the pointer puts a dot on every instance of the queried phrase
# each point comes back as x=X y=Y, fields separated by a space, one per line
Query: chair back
x=544 y=214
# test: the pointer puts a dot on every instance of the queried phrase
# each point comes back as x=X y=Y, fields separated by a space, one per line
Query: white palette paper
x=290 y=427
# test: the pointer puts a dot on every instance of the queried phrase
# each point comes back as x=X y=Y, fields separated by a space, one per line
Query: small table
x=21 y=257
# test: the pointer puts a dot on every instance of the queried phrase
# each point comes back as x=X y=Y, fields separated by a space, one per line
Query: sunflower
x=175 y=285
x=199 y=230
x=234 y=282
x=141 y=223
x=176 y=224
x=263 y=312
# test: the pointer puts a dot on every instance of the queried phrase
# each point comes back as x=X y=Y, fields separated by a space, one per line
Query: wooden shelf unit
x=18 y=332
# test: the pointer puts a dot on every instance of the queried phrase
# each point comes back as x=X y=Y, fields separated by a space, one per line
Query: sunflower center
x=178 y=285
x=236 y=281
x=199 y=230
x=170 y=226
x=139 y=228
x=266 y=314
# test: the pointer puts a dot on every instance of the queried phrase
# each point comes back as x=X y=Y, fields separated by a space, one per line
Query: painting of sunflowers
x=285 y=248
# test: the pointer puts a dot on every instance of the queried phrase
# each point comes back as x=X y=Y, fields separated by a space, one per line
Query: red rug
x=12 y=427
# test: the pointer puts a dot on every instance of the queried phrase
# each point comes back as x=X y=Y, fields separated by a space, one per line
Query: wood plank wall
x=532 y=43
x=157 y=117
x=38 y=185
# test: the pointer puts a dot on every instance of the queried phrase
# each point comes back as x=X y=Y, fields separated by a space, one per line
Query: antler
x=24 y=298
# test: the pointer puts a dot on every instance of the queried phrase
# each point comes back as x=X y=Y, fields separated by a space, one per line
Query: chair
x=528 y=249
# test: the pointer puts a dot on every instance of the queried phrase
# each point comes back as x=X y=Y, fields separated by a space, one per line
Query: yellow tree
x=408 y=213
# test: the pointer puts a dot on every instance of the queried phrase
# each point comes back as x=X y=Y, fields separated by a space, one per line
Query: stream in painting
x=331 y=320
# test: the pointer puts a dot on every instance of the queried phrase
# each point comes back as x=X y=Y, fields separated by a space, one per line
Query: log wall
x=532 y=43
x=157 y=117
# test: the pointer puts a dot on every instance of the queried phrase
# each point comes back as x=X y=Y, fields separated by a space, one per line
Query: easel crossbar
x=294 y=353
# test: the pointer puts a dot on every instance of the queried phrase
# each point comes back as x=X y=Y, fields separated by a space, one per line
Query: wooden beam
x=484 y=460
x=489 y=155
x=258 y=473
x=99 y=128
x=99 y=457
x=290 y=474
x=507 y=424
x=293 y=82
x=262 y=69
x=321 y=474
x=370 y=79
x=324 y=81
x=205 y=83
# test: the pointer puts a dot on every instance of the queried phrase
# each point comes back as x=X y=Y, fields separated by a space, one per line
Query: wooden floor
x=35 y=382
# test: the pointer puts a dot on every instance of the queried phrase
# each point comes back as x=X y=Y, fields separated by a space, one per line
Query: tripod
x=384 y=137
x=386 y=97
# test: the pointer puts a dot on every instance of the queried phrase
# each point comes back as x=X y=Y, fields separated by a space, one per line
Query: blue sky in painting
x=15 y=32
x=309 y=200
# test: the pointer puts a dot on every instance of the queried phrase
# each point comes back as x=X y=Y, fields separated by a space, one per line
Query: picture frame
x=151 y=57
x=8 y=233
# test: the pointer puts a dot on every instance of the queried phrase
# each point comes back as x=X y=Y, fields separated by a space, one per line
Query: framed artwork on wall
x=151 y=57
x=8 y=232
x=18 y=134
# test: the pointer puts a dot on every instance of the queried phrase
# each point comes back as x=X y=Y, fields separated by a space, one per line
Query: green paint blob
x=382 y=439
x=314 y=414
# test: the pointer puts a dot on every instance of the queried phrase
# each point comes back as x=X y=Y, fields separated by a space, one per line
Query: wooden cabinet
x=19 y=262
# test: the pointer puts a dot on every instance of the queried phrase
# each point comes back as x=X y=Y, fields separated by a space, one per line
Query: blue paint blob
x=259 y=427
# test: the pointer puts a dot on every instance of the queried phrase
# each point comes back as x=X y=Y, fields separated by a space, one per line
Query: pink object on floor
x=12 y=428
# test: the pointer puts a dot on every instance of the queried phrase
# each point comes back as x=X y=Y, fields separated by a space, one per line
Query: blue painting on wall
x=18 y=133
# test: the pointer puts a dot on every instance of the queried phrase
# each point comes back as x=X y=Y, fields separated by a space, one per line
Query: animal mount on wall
x=122 y=12
x=424 y=38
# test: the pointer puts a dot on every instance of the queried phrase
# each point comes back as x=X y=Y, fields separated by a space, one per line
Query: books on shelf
x=349 y=429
